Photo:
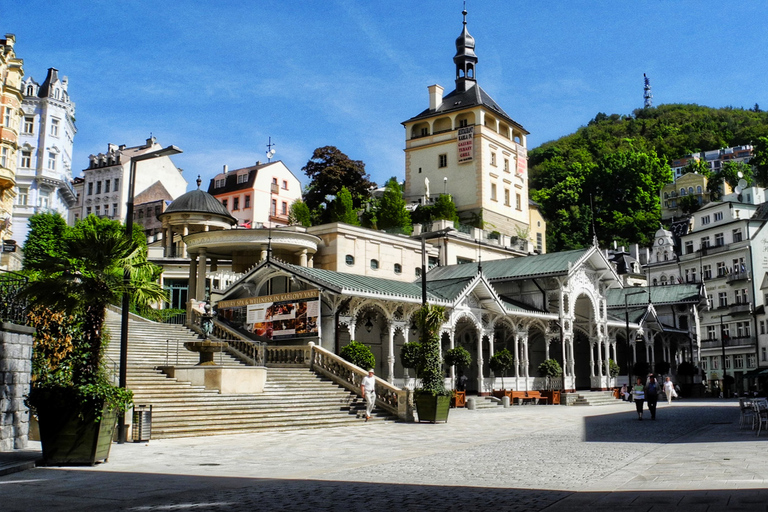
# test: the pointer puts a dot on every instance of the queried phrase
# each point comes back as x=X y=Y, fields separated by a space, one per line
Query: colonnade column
x=592 y=359
x=303 y=258
x=451 y=345
x=480 y=360
x=168 y=242
x=191 y=287
x=526 y=362
x=607 y=359
x=391 y=352
x=517 y=362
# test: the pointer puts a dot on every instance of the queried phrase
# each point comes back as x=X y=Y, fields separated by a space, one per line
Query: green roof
x=670 y=294
x=558 y=263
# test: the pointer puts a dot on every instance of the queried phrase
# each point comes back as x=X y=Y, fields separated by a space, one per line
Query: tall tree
x=342 y=209
x=329 y=170
x=300 y=214
x=391 y=214
x=760 y=161
x=44 y=240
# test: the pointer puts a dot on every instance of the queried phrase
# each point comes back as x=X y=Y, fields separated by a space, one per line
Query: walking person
x=638 y=395
x=652 y=395
x=368 y=389
x=669 y=390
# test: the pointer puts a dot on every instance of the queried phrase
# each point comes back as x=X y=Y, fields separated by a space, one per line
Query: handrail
x=393 y=399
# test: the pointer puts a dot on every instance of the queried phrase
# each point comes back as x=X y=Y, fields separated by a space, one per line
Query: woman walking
x=652 y=395
x=638 y=395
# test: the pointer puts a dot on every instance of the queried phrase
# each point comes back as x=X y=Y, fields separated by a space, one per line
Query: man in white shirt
x=368 y=389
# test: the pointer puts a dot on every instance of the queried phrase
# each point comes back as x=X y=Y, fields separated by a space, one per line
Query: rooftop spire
x=465 y=57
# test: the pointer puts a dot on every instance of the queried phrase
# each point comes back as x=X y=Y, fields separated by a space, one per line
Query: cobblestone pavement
x=693 y=457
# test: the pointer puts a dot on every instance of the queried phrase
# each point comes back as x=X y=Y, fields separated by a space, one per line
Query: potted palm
x=459 y=358
x=432 y=400
x=73 y=398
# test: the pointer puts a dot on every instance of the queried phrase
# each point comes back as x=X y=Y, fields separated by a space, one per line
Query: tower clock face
x=661 y=242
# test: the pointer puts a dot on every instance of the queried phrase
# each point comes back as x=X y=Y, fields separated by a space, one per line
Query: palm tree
x=87 y=277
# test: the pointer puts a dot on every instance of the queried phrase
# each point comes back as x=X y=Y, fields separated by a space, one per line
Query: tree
x=760 y=161
x=458 y=357
x=86 y=277
x=299 y=214
x=688 y=204
x=391 y=215
x=501 y=362
x=329 y=170
x=45 y=239
x=342 y=209
x=429 y=319
x=442 y=209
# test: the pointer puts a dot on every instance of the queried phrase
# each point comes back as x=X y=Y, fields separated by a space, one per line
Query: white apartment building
x=724 y=246
x=715 y=158
x=103 y=189
x=44 y=165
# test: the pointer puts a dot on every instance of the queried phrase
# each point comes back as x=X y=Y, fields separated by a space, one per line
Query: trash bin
x=142 y=423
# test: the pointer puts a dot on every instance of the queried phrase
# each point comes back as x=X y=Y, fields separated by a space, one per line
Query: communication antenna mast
x=647 y=96
x=270 y=151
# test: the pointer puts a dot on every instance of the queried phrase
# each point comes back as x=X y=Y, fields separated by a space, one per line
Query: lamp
x=629 y=346
x=424 y=236
x=126 y=307
x=369 y=325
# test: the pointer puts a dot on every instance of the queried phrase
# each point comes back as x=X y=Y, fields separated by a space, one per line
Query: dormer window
x=242 y=178
x=219 y=183
x=30 y=90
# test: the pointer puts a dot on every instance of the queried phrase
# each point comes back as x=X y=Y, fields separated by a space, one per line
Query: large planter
x=72 y=437
x=432 y=408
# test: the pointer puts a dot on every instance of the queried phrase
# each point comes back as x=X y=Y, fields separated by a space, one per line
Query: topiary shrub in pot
x=551 y=369
x=410 y=354
x=432 y=400
x=501 y=362
x=459 y=358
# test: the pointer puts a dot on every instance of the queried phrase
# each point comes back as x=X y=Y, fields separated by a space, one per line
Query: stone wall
x=15 y=372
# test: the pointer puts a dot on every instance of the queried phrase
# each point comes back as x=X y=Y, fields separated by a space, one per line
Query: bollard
x=471 y=403
x=505 y=401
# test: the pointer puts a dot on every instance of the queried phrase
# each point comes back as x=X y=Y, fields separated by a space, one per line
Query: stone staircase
x=486 y=402
x=589 y=398
x=293 y=398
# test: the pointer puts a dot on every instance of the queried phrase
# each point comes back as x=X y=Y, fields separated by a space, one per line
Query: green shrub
x=410 y=355
x=429 y=319
x=613 y=368
x=550 y=368
x=359 y=355
x=501 y=362
x=458 y=357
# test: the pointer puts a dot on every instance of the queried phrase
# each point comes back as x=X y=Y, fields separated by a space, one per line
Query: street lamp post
x=626 y=319
x=126 y=306
x=424 y=236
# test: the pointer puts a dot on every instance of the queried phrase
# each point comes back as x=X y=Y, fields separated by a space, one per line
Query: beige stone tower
x=464 y=144
x=11 y=72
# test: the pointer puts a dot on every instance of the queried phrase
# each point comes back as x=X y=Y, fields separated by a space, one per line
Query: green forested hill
x=616 y=165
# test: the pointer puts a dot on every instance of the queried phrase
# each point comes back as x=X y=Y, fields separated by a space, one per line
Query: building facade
x=103 y=190
x=715 y=159
x=44 y=172
x=465 y=145
x=11 y=72
x=257 y=196
x=722 y=247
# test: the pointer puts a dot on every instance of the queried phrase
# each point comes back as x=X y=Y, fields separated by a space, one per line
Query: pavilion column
x=526 y=369
x=391 y=352
x=191 y=286
x=168 y=241
x=352 y=326
x=201 y=265
x=592 y=349
x=479 y=360
x=517 y=362
x=184 y=232
x=565 y=356
x=571 y=361
x=451 y=346
x=303 y=258
x=490 y=355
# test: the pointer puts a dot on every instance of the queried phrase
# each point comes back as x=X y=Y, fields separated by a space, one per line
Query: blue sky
x=218 y=78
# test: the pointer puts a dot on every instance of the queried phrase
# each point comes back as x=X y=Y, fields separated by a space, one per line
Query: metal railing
x=13 y=307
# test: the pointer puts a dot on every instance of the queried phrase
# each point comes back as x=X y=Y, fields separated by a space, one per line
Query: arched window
x=690 y=190
x=664 y=279
x=398 y=268
x=30 y=90
x=698 y=189
x=682 y=191
x=375 y=264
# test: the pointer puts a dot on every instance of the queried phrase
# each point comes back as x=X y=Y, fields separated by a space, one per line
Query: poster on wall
x=281 y=316
x=522 y=160
x=466 y=143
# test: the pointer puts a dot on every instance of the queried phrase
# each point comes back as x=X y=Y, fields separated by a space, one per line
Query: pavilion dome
x=199 y=202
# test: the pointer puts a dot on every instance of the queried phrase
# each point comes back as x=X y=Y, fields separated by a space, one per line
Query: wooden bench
x=526 y=396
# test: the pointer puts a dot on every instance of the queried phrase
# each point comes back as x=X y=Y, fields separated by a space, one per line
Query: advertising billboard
x=281 y=316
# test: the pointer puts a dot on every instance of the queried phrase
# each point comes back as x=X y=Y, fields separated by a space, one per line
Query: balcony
x=275 y=189
x=744 y=307
x=738 y=276
x=746 y=341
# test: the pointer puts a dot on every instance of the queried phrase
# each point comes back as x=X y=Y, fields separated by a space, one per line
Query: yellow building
x=672 y=194
x=11 y=72
x=465 y=145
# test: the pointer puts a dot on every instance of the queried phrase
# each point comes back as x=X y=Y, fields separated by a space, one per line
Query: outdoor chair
x=761 y=415
x=747 y=413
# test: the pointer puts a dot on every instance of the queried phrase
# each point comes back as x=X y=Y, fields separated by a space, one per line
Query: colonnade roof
x=540 y=265
x=659 y=295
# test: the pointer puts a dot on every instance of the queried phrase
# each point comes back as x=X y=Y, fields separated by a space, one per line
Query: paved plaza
x=693 y=457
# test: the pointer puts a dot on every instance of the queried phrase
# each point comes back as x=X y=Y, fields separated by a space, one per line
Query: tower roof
x=45 y=88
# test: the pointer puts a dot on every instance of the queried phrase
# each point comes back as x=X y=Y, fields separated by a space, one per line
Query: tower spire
x=465 y=57
x=647 y=96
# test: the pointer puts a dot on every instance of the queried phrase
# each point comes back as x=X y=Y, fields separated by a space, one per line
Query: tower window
x=463 y=123
x=518 y=202
x=375 y=264
x=442 y=160
x=398 y=268
x=493 y=192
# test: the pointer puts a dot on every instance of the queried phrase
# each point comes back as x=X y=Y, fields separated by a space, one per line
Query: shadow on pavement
x=672 y=425
x=72 y=490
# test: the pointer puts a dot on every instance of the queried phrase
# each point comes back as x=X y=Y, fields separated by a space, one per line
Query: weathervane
x=270 y=151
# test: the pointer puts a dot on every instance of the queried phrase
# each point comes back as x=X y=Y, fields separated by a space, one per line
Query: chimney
x=435 y=96
x=226 y=168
